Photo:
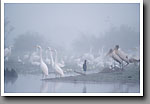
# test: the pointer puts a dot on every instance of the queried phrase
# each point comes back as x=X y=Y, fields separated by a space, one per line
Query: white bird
x=79 y=63
x=51 y=57
x=26 y=56
x=34 y=56
x=19 y=60
x=34 y=59
x=43 y=66
x=57 y=67
x=35 y=63
x=115 y=57
x=7 y=52
x=121 y=54
x=62 y=64
x=47 y=60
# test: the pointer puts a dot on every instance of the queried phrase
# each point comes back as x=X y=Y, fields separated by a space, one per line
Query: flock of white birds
x=93 y=62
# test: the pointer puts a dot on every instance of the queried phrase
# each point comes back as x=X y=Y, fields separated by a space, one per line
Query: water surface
x=34 y=84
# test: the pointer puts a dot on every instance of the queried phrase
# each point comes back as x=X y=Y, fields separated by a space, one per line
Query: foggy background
x=78 y=32
x=72 y=28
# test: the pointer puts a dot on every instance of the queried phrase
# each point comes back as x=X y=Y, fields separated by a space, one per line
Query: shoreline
x=126 y=76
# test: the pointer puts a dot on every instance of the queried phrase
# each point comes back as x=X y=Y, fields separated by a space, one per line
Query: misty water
x=77 y=32
x=34 y=84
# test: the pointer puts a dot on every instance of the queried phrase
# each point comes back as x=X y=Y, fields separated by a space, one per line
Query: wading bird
x=57 y=67
x=47 y=60
x=43 y=66
x=19 y=60
x=121 y=54
x=54 y=63
x=7 y=52
x=51 y=56
x=115 y=57
x=34 y=59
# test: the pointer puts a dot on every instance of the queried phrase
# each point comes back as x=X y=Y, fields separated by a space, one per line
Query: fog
x=78 y=32
x=63 y=24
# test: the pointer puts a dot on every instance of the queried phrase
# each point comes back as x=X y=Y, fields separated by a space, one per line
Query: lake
x=34 y=84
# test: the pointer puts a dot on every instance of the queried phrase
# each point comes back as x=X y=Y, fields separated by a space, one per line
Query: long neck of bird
x=56 y=57
x=51 y=58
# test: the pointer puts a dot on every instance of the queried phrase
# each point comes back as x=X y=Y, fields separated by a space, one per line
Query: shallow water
x=34 y=84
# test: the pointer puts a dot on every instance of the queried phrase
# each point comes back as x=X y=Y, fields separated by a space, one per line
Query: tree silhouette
x=27 y=42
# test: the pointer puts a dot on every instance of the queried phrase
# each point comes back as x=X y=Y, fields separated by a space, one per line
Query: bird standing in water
x=115 y=57
x=84 y=66
x=121 y=54
x=43 y=66
x=7 y=52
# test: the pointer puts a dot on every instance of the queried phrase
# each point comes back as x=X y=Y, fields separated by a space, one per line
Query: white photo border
x=72 y=94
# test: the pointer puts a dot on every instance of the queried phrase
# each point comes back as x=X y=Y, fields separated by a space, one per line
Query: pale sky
x=64 y=22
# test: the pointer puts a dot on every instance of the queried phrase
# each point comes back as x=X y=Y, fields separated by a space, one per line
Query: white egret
x=57 y=67
x=19 y=60
x=35 y=63
x=62 y=64
x=34 y=59
x=51 y=57
x=99 y=60
x=7 y=52
x=26 y=56
x=79 y=63
x=47 y=60
x=43 y=66
x=54 y=64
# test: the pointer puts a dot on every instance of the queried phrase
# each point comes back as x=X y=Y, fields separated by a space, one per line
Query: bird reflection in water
x=84 y=90
x=56 y=86
x=44 y=87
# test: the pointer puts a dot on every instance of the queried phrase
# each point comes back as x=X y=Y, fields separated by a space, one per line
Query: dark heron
x=84 y=66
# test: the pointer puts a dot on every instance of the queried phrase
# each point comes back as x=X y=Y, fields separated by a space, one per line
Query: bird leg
x=43 y=75
x=126 y=64
x=121 y=65
x=111 y=67
x=46 y=76
x=114 y=64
